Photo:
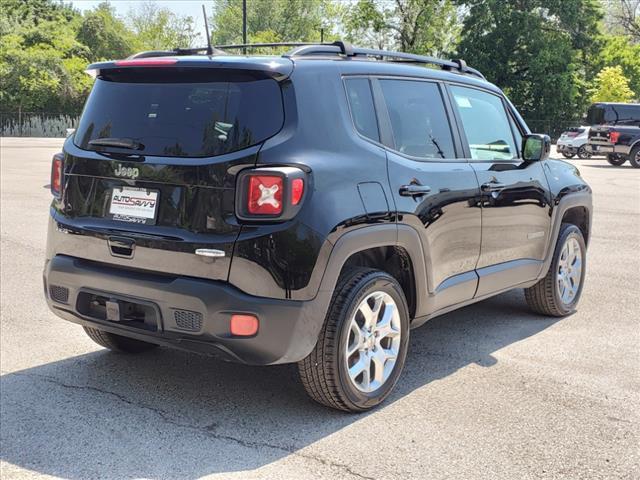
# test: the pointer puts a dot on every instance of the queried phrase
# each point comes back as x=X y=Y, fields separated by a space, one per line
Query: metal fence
x=36 y=124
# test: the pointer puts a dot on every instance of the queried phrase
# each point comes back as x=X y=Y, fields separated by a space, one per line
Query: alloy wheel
x=373 y=341
x=569 y=271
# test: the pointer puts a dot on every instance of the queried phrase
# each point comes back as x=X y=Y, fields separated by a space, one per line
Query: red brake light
x=614 y=137
x=297 y=189
x=147 y=62
x=57 y=170
x=265 y=195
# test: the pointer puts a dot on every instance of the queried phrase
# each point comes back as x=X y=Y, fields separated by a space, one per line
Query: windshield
x=180 y=118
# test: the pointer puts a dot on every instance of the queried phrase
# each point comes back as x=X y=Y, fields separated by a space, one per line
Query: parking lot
x=490 y=391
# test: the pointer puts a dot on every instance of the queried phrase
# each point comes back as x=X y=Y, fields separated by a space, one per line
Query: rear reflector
x=614 y=137
x=146 y=62
x=57 y=169
x=244 y=325
x=265 y=195
x=297 y=189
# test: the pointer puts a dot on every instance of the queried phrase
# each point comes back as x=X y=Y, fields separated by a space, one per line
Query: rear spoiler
x=277 y=68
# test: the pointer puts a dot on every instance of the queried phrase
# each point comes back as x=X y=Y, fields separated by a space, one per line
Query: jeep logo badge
x=128 y=172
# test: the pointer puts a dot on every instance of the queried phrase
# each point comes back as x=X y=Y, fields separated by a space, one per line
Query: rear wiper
x=129 y=143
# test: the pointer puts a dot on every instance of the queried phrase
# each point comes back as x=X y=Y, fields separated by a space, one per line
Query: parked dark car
x=615 y=132
x=310 y=208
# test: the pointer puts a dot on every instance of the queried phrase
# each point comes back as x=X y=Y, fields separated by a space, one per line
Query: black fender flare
x=383 y=235
x=568 y=201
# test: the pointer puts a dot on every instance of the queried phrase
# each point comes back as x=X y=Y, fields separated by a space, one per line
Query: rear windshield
x=614 y=115
x=184 y=116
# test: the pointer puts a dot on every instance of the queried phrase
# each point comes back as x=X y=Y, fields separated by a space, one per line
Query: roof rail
x=346 y=49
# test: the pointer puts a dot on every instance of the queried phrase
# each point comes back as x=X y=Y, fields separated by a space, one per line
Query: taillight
x=57 y=172
x=614 y=137
x=270 y=193
x=264 y=195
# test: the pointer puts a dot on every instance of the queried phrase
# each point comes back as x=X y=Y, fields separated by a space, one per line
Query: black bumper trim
x=288 y=329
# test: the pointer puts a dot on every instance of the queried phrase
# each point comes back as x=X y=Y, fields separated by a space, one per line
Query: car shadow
x=169 y=414
x=628 y=167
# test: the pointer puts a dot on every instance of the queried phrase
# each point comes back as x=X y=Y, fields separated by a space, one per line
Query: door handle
x=492 y=187
x=414 y=190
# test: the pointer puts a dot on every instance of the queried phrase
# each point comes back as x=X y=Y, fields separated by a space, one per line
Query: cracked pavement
x=490 y=391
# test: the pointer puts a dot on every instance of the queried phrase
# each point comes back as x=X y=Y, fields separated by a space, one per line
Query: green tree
x=105 y=34
x=417 y=26
x=541 y=52
x=620 y=51
x=277 y=20
x=611 y=85
x=159 y=28
x=41 y=59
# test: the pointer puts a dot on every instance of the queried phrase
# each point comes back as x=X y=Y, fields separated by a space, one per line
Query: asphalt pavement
x=491 y=391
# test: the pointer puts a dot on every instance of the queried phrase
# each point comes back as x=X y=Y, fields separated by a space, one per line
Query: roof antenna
x=206 y=27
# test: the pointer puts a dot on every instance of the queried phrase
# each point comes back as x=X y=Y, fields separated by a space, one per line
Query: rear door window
x=182 y=115
x=418 y=118
x=485 y=123
x=363 y=111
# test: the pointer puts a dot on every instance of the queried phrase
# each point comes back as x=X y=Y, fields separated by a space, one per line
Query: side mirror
x=536 y=147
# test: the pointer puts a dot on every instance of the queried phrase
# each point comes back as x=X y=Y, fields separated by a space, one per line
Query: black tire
x=583 y=153
x=324 y=372
x=568 y=155
x=544 y=297
x=634 y=157
x=117 y=343
x=616 y=160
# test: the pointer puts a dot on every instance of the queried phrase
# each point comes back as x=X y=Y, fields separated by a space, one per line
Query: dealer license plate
x=136 y=205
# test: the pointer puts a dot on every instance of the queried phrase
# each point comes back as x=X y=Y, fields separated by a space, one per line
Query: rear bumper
x=288 y=329
x=562 y=148
x=608 y=148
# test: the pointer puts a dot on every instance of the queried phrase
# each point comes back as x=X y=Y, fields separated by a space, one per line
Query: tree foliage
x=415 y=26
x=106 y=35
x=612 y=86
x=619 y=50
x=158 y=28
x=541 y=52
x=275 y=20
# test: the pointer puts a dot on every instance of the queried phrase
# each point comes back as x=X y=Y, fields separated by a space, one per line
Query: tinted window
x=485 y=123
x=180 y=118
x=611 y=114
x=362 y=109
x=418 y=118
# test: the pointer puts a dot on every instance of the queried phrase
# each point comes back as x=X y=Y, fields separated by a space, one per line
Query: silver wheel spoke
x=373 y=341
x=569 y=273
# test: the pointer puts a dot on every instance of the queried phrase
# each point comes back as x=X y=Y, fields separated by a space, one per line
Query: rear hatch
x=149 y=178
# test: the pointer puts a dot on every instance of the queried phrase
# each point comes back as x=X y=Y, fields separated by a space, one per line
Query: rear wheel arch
x=387 y=247
x=391 y=259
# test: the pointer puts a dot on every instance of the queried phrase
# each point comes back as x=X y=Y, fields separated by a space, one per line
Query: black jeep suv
x=310 y=208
